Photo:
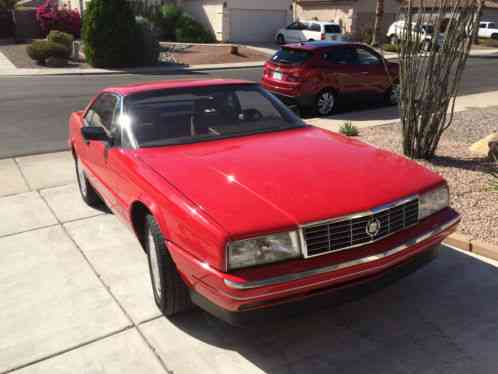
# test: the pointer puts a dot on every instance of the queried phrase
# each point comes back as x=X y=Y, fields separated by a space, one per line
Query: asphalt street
x=34 y=110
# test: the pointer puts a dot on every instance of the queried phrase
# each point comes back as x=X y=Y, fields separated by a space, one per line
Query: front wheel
x=394 y=40
x=326 y=103
x=88 y=193
x=170 y=292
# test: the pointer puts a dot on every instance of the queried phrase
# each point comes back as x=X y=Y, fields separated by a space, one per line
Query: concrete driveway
x=75 y=298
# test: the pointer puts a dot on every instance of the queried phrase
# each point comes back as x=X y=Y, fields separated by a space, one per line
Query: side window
x=315 y=27
x=293 y=26
x=365 y=57
x=482 y=25
x=102 y=111
x=340 y=55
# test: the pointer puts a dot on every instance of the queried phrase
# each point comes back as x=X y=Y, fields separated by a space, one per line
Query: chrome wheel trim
x=394 y=95
x=81 y=179
x=326 y=103
x=154 y=265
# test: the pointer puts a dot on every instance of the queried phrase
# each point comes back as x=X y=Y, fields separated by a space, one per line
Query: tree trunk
x=479 y=15
x=379 y=17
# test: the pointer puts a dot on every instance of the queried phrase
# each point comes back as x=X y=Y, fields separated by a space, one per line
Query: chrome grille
x=340 y=234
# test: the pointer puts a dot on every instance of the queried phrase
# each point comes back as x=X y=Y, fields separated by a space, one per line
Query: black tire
x=394 y=40
x=280 y=39
x=494 y=36
x=391 y=96
x=323 y=110
x=87 y=192
x=172 y=296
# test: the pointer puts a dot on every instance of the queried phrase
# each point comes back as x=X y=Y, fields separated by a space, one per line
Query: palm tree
x=379 y=16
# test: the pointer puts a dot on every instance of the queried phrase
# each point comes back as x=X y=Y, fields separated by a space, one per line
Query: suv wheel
x=88 y=193
x=280 y=39
x=393 y=94
x=170 y=292
x=394 y=40
x=325 y=103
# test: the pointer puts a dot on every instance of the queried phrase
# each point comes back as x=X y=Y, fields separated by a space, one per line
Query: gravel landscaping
x=206 y=54
x=467 y=175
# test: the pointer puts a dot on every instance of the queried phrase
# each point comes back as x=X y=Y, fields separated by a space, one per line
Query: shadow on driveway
x=442 y=319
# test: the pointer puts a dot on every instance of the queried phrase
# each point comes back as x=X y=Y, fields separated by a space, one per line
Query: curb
x=165 y=70
x=466 y=243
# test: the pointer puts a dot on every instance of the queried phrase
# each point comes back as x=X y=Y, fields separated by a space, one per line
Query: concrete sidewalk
x=76 y=298
x=390 y=114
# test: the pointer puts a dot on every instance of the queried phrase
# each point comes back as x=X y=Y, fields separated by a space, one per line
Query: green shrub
x=349 y=130
x=61 y=38
x=391 y=48
x=190 y=31
x=108 y=33
x=40 y=50
x=147 y=45
x=167 y=20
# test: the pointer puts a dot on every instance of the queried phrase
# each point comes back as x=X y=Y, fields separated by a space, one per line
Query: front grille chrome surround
x=346 y=232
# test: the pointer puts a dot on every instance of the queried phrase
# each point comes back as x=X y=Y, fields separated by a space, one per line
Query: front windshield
x=189 y=115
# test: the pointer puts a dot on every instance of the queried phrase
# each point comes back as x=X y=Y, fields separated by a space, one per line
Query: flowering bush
x=52 y=17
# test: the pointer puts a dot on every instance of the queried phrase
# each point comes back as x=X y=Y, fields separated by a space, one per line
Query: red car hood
x=263 y=183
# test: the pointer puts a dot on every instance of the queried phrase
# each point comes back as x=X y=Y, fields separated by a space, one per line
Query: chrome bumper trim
x=309 y=273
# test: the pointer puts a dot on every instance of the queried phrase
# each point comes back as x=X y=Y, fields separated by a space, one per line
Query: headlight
x=433 y=201
x=263 y=250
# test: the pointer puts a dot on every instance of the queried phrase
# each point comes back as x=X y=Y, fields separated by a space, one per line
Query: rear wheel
x=280 y=39
x=326 y=102
x=494 y=36
x=170 y=292
x=393 y=94
x=88 y=193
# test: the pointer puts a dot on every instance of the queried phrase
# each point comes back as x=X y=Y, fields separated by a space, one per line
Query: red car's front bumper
x=233 y=298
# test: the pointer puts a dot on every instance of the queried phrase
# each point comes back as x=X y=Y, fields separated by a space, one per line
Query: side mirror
x=94 y=133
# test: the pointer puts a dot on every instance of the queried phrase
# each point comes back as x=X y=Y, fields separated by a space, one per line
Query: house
x=237 y=21
x=489 y=9
x=241 y=21
x=356 y=16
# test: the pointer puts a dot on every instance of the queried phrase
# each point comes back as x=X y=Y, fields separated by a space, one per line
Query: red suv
x=314 y=74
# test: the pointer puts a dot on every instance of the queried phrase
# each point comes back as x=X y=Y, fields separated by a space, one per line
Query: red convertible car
x=243 y=208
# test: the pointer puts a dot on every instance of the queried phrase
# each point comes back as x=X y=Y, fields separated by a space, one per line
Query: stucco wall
x=490 y=15
x=260 y=4
x=341 y=14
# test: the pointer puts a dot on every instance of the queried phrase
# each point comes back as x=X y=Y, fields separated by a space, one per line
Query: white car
x=301 y=31
x=423 y=32
x=488 y=30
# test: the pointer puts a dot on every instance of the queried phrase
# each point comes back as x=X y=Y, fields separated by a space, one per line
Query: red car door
x=93 y=154
x=373 y=71
x=341 y=71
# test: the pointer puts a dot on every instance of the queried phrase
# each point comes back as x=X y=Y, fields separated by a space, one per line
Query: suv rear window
x=332 y=29
x=291 y=56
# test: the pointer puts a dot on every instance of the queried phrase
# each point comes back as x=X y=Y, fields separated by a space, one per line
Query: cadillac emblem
x=373 y=227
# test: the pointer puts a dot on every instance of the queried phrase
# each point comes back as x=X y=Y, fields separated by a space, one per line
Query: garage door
x=259 y=26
